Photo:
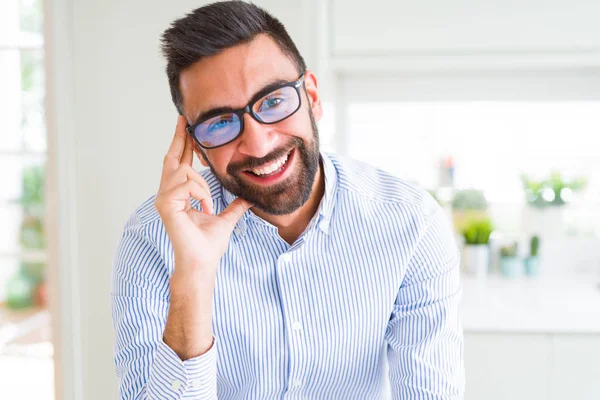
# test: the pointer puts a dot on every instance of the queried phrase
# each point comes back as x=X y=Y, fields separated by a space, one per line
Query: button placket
x=293 y=309
x=285 y=257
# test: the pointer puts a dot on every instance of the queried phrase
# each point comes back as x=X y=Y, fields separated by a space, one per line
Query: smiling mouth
x=272 y=168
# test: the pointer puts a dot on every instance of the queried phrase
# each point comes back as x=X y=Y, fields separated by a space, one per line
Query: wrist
x=190 y=347
x=186 y=281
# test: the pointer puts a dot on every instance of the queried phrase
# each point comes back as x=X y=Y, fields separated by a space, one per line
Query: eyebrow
x=269 y=87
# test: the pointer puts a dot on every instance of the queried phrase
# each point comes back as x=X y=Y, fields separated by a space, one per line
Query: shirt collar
x=324 y=211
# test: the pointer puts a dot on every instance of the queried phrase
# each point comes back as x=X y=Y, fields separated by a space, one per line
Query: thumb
x=235 y=210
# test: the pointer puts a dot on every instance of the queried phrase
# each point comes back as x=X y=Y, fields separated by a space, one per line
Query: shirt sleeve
x=424 y=334
x=146 y=367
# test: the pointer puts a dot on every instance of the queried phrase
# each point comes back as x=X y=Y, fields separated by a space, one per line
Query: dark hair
x=208 y=30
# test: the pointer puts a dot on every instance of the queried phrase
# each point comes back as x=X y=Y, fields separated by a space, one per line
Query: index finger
x=175 y=152
x=188 y=151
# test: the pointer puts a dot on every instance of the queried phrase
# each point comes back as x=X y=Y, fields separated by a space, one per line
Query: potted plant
x=468 y=204
x=532 y=262
x=510 y=265
x=546 y=199
x=476 y=232
x=469 y=199
x=552 y=191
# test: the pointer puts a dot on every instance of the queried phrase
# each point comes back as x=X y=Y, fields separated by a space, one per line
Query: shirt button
x=296 y=326
x=238 y=231
x=196 y=383
x=324 y=225
x=297 y=382
x=176 y=384
x=285 y=257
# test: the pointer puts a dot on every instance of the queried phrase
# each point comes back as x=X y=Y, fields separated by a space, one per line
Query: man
x=280 y=271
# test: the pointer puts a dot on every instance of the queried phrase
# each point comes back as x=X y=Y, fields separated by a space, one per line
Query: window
x=494 y=125
x=25 y=345
x=491 y=144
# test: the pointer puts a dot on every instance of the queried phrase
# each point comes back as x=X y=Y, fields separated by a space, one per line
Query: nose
x=257 y=140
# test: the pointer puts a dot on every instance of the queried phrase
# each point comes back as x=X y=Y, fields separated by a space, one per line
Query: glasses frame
x=249 y=109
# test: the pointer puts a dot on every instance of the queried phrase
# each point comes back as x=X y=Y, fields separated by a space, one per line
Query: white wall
x=123 y=120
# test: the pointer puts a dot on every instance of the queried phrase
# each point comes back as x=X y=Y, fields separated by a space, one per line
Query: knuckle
x=185 y=170
x=186 y=167
x=191 y=172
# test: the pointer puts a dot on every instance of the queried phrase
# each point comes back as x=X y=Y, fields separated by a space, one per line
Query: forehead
x=232 y=77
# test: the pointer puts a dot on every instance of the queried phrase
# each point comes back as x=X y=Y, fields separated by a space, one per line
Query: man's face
x=231 y=79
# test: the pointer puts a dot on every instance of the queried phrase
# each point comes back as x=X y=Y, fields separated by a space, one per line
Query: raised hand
x=199 y=238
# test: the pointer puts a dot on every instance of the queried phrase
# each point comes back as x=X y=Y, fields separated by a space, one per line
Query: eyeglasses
x=267 y=108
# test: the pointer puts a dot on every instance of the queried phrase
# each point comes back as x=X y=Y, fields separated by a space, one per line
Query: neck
x=292 y=225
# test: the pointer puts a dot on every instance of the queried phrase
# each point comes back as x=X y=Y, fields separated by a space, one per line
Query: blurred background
x=493 y=107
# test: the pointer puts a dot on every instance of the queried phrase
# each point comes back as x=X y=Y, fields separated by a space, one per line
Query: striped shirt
x=364 y=305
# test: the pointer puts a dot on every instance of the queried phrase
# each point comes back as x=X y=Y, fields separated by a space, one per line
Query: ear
x=310 y=82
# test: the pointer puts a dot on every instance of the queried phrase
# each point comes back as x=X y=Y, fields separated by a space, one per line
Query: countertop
x=555 y=304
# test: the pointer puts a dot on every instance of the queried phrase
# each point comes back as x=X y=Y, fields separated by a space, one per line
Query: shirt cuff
x=173 y=379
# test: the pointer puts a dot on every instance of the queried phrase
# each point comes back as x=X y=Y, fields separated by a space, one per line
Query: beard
x=283 y=197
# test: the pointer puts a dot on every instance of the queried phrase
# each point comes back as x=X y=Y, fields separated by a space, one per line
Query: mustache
x=257 y=162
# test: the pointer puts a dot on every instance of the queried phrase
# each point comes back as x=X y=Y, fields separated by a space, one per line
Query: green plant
x=534 y=246
x=477 y=230
x=509 y=250
x=21 y=287
x=469 y=199
x=32 y=199
x=551 y=190
x=32 y=228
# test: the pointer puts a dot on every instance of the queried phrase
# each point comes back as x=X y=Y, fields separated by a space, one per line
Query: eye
x=270 y=103
x=219 y=124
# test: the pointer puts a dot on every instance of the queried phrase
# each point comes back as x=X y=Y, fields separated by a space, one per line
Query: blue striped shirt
x=364 y=305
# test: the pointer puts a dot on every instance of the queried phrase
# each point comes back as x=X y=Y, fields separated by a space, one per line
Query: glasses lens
x=277 y=105
x=218 y=130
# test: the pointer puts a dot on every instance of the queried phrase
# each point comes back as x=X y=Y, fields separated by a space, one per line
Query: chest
x=330 y=291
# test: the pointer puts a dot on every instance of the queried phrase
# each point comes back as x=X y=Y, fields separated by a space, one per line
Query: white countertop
x=531 y=305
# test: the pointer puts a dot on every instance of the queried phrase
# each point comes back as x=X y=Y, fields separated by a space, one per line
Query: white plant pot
x=476 y=259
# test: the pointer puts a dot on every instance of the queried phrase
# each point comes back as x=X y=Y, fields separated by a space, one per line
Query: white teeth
x=271 y=167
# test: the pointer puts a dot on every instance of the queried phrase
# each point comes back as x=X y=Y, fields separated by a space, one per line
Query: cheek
x=297 y=125
x=220 y=159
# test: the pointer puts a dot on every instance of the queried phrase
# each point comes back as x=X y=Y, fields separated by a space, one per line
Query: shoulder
x=375 y=187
